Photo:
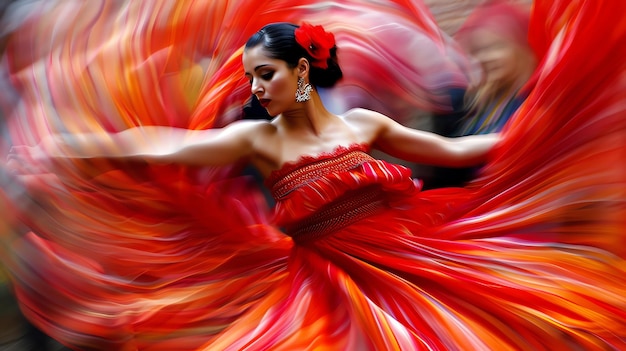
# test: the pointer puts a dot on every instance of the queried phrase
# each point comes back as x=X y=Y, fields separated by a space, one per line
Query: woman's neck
x=313 y=116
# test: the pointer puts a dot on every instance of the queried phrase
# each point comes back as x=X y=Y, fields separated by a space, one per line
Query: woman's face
x=497 y=55
x=271 y=80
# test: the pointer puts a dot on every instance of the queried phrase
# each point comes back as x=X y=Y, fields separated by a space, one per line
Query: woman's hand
x=52 y=156
x=24 y=159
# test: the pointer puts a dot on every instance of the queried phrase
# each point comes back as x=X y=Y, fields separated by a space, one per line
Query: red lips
x=264 y=102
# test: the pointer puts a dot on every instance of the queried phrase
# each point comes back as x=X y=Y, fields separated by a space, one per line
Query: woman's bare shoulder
x=365 y=118
x=249 y=129
x=360 y=113
x=258 y=132
x=251 y=124
x=367 y=124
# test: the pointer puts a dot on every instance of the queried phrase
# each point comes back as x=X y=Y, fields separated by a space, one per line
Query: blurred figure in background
x=495 y=35
x=16 y=332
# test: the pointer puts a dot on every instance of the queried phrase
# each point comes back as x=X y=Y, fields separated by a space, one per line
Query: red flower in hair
x=317 y=43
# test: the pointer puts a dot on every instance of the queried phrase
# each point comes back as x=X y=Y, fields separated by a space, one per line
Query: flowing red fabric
x=112 y=256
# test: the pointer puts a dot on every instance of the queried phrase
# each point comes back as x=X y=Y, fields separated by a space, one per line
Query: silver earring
x=303 y=93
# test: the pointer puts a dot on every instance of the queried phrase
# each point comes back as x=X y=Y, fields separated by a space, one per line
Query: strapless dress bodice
x=318 y=194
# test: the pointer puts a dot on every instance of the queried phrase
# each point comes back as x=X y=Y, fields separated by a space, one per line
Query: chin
x=274 y=109
x=271 y=113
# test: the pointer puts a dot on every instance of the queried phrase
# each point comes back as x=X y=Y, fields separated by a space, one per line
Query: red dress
x=354 y=256
x=373 y=269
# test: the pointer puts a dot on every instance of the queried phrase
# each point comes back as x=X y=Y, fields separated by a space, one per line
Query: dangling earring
x=303 y=93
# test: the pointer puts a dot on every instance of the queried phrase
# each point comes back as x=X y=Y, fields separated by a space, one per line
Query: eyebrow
x=257 y=68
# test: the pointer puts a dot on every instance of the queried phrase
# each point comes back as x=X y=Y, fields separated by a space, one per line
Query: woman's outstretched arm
x=213 y=147
x=425 y=147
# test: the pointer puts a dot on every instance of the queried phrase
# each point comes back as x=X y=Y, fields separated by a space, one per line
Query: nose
x=256 y=88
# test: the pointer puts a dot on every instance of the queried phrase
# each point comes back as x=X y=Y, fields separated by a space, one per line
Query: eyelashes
x=265 y=76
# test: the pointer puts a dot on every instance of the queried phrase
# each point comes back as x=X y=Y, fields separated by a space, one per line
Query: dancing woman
x=283 y=76
x=368 y=261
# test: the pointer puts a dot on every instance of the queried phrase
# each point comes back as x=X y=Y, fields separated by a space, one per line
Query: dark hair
x=279 y=41
x=252 y=109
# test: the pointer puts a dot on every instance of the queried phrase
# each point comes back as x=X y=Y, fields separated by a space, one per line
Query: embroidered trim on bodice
x=308 y=168
x=351 y=207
